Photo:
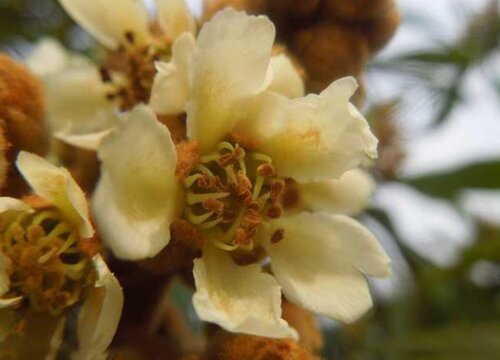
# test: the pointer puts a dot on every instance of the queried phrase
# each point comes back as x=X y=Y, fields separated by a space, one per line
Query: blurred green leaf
x=447 y=185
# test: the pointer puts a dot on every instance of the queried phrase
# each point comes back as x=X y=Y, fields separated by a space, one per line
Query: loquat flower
x=49 y=264
x=260 y=183
x=134 y=40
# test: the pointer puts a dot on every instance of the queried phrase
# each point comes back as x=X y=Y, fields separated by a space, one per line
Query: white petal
x=230 y=62
x=6 y=303
x=238 y=298
x=109 y=20
x=76 y=101
x=171 y=84
x=348 y=195
x=285 y=78
x=100 y=314
x=49 y=57
x=8 y=203
x=175 y=17
x=58 y=187
x=86 y=141
x=137 y=196
x=321 y=260
x=318 y=136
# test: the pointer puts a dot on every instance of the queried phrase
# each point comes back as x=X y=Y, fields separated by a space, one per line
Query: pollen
x=230 y=193
x=47 y=268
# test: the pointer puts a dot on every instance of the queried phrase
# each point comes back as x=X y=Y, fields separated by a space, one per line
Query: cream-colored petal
x=108 y=21
x=6 y=303
x=8 y=203
x=230 y=62
x=175 y=17
x=77 y=102
x=57 y=186
x=321 y=260
x=89 y=141
x=49 y=57
x=318 y=136
x=238 y=298
x=100 y=314
x=348 y=195
x=170 y=91
x=285 y=78
x=137 y=197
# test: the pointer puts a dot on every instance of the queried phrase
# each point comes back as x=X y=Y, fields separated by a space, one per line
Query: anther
x=130 y=37
x=105 y=75
x=265 y=170
x=277 y=236
x=277 y=187
x=213 y=205
x=275 y=211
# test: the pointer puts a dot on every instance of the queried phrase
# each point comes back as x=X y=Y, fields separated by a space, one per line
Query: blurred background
x=433 y=99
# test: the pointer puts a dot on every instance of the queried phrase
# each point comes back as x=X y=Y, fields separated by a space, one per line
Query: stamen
x=278 y=236
x=198 y=198
x=221 y=194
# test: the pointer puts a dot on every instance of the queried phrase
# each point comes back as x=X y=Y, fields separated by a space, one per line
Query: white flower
x=26 y=230
x=253 y=141
x=83 y=102
x=112 y=22
x=78 y=110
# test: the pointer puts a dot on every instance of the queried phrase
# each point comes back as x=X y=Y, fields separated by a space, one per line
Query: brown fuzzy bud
x=228 y=346
x=176 y=125
x=356 y=10
x=22 y=108
x=306 y=325
x=380 y=30
x=328 y=52
x=82 y=164
x=185 y=243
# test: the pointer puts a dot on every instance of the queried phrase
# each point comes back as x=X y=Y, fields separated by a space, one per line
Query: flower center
x=135 y=63
x=230 y=193
x=48 y=270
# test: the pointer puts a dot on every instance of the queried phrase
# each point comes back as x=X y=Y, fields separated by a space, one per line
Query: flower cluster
x=266 y=176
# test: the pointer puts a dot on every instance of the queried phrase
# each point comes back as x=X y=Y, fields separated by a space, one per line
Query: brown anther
x=130 y=37
x=252 y=217
x=205 y=182
x=243 y=184
x=105 y=74
x=240 y=237
x=275 y=211
x=254 y=205
x=277 y=236
x=214 y=205
x=226 y=159
x=265 y=170
x=277 y=187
